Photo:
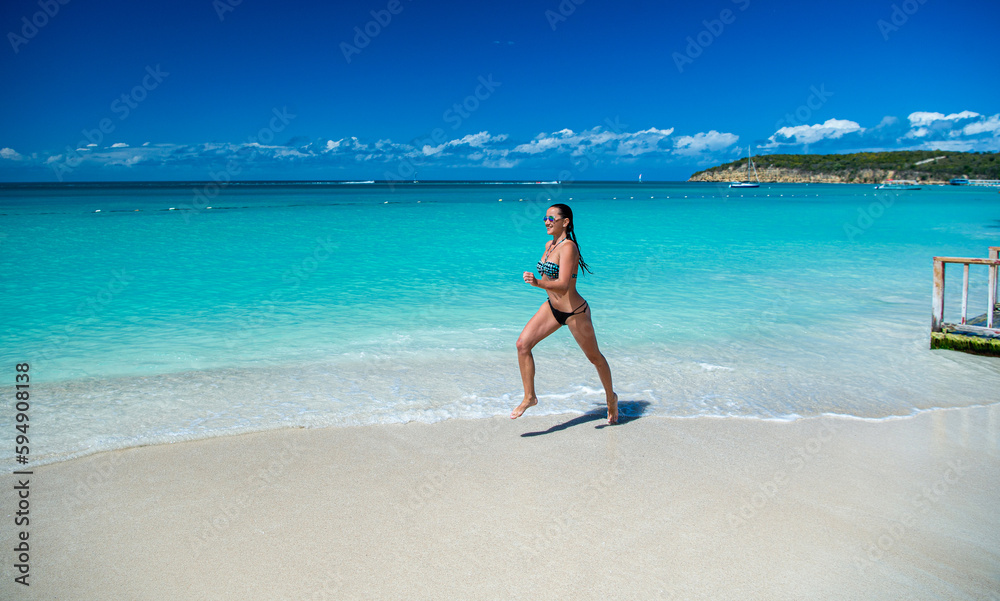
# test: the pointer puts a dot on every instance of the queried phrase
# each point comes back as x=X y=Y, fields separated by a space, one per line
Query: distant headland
x=924 y=166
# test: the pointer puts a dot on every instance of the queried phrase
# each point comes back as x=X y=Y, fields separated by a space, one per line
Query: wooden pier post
x=965 y=293
x=937 y=317
x=994 y=283
x=991 y=306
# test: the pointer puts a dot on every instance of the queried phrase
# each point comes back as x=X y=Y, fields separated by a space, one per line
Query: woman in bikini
x=557 y=276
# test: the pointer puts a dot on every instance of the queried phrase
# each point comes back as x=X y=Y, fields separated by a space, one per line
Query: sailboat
x=750 y=165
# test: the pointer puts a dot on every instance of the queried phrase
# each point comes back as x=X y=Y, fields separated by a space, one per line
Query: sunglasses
x=548 y=218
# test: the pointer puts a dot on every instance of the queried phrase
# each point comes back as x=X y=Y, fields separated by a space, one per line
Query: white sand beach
x=551 y=507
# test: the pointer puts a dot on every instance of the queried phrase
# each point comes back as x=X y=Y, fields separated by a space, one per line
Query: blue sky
x=559 y=89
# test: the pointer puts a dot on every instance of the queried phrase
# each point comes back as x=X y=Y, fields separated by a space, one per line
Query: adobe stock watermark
x=803 y=114
x=321 y=589
x=98 y=477
x=901 y=14
x=363 y=36
x=90 y=309
x=867 y=216
x=455 y=115
x=697 y=44
x=566 y=521
x=635 y=276
x=292 y=278
x=921 y=502
x=797 y=459
x=222 y=7
x=231 y=511
x=565 y=9
x=221 y=179
x=122 y=107
x=434 y=482
x=31 y=27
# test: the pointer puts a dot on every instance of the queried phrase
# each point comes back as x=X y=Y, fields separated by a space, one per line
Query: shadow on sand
x=627 y=411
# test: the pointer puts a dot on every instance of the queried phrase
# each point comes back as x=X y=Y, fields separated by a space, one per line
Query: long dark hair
x=565 y=211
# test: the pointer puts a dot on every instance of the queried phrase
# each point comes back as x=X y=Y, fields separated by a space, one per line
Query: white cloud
x=923 y=118
x=988 y=125
x=887 y=121
x=429 y=151
x=120 y=155
x=608 y=145
x=643 y=142
x=964 y=131
x=121 y=159
x=552 y=141
x=627 y=144
x=950 y=145
x=831 y=129
x=481 y=140
x=925 y=124
x=602 y=145
x=501 y=163
x=478 y=140
x=351 y=144
x=710 y=141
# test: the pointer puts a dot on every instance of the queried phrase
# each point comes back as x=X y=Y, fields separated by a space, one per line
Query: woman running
x=557 y=276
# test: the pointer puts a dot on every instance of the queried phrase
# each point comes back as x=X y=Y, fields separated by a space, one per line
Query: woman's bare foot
x=613 y=409
x=523 y=407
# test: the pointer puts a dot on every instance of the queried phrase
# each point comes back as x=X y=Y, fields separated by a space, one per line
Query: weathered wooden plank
x=970 y=261
x=981 y=321
x=970 y=330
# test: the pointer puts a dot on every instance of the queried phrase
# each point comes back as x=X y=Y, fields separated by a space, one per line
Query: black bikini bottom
x=562 y=316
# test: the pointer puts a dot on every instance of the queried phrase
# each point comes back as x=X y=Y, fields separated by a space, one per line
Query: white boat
x=750 y=165
x=898 y=184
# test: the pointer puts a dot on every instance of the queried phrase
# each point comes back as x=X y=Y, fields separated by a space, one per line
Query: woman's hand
x=529 y=278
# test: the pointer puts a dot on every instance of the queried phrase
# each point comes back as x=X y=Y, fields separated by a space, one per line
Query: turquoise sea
x=147 y=317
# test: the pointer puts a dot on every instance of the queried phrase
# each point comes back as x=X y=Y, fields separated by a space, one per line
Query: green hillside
x=972 y=165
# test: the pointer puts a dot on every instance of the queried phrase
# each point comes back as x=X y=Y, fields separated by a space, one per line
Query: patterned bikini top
x=548 y=267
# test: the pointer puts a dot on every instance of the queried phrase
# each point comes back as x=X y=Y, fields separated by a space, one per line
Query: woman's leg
x=538 y=327
x=583 y=330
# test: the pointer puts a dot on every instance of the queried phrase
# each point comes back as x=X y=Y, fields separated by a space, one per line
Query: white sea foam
x=710 y=367
x=86 y=416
